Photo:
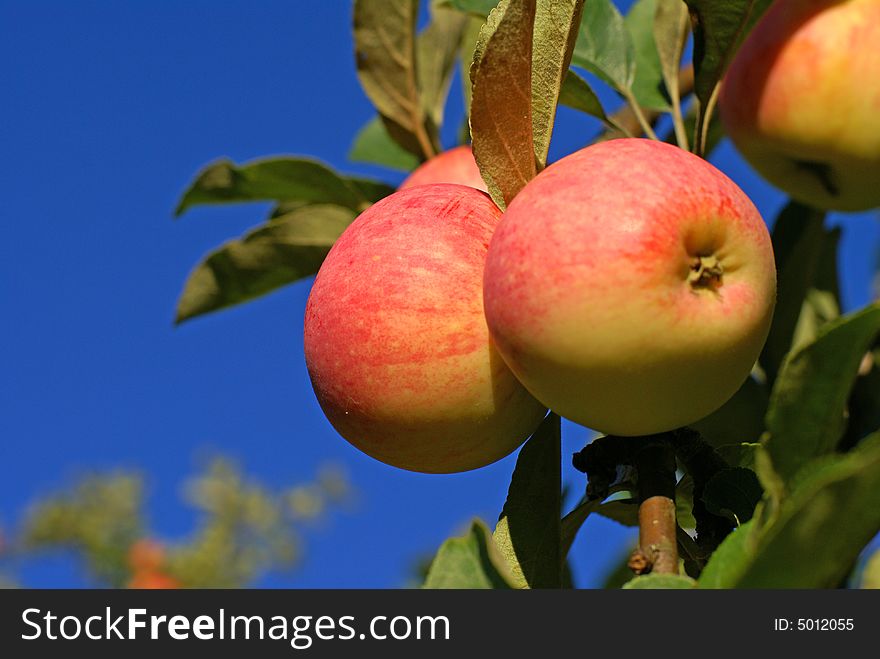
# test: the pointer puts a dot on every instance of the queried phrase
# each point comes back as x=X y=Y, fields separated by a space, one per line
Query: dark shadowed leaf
x=831 y=515
x=436 y=51
x=798 y=236
x=739 y=455
x=573 y=522
x=289 y=247
x=806 y=415
x=733 y=493
x=660 y=582
x=557 y=23
x=501 y=115
x=385 y=50
x=864 y=403
x=528 y=531
x=278 y=179
x=604 y=45
x=576 y=93
x=471 y=561
x=648 y=87
x=374 y=145
x=369 y=189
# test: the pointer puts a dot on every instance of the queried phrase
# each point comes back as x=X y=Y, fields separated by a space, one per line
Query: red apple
x=802 y=101
x=396 y=342
x=153 y=581
x=630 y=287
x=454 y=166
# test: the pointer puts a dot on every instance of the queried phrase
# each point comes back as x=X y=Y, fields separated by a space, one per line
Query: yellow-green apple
x=630 y=286
x=396 y=343
x=453 y=166
x=801 y=101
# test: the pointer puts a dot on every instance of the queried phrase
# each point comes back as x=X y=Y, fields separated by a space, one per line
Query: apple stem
x=658 y=540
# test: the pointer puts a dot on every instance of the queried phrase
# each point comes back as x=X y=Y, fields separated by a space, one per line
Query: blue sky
x=108 y=110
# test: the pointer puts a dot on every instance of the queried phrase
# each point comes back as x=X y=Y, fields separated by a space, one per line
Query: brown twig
x=655 y=464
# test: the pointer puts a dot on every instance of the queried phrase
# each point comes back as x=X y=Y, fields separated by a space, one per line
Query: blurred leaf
x=620 y=574
x=864 y=402
x=385 y=49
x=831 y=515
x=372 y=191
x=670 y=28
x=822 y=303
x=729 y=560
x=733 y=493
x=871 y=573
x=798 y=236
x=436 y=50
x=279 y=179
x=806 y=415
x=660 y=582
x=604 y=45
x=374 y=145
x=471 y=561
x=555 y=30
x=648 y=86
x=739 y=455
x=576 y=93
x=288 y=248
x=740 y=419
x=475 y=7
x=501 y=115
x=719 y=28
x=529 y=529
x=466 y=53
x=624 y=511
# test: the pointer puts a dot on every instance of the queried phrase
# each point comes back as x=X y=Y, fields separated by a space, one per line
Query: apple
x=396 y=343
x=146 y=555
x=453 y=166
x=153 y=581
x=630 y=287
x=801 y=101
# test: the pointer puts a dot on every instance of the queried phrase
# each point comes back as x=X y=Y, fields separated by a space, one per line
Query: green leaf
x=287 y=248
x=806 y=415
x=730 y=560
x=670 y=28
x=832 y=514
x=798 y=238
x=385 y=50
x=864 y=402
x=471 y=561
x=279 y=179
x=733 y=493
x=660 y=582
x=369 y=189
x=739 y=455
x=684 y=502
x=604 y=45
x=436 y=52
x=374 y=145
x=557 y=23
x=573 y=522
x=719 y=29
x=528 y=531
x=501 y=114
x=740 y=419
x=475 y=7
x=871 y=572
x=466 y=54
x=576 y=93
x=648 y=86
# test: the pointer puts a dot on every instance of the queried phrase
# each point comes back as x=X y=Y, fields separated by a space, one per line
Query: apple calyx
x=706 y=272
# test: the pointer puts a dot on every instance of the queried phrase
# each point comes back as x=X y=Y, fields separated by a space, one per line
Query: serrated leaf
x=831 y=515
x=806 y=415
x=670 y=29
x=374 y=145
x=660 y=582
x=576 y=93
x=557 y=23
x=471 y=561
x=733 y=493
x=502 y=69
x=730 y=559
x=475 y=7
x=287 y=248
x=436 y=51
x=798 y=236
x=278 y=179
x=528 y=530
x=604 y=45
x=719 y=28
x=385 y=51
x=648 y=86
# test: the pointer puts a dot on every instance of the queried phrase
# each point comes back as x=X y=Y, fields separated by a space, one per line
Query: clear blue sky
x=108 y=108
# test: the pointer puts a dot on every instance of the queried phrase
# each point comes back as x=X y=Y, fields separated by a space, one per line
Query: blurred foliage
x=243 y=529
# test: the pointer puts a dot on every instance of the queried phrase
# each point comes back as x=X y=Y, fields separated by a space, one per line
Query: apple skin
x=456 y=165
x=396 y=343
x=588 y=294
x=801 y=101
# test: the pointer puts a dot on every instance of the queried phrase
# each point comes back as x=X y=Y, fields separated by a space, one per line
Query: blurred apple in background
x=454 y=166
